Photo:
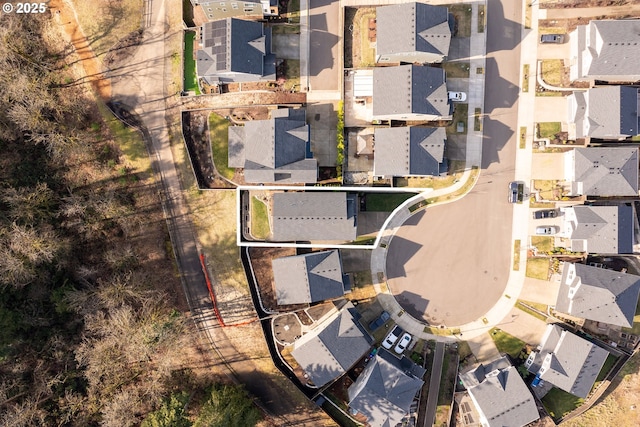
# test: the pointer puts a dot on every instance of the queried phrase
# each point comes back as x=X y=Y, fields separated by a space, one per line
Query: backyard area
x=260 y=228
x=385 y=202
x=559 y=403
x=360 y=37
x=447 y=386
x=218 y=132
x=190 y=78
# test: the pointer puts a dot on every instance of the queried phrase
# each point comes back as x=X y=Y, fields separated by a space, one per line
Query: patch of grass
x=129 y=141
x=543 y=243
x=551 y=30
x=462 y=13
x=286 y=29
x=551 y=70
x=434 y=182
x=525 y=78
x=608 y=364
x=506 y=343
x=546 y=205
x=367 y=52
x=464 y=350
x=516 y=255
x=548 y=129
x=292 y=74
x=293 y=11
x=456 y=69
x=219 y=135
x=549 y=93
x=460 y=113
x=477 y=120
x=481 y=18
x=538 y=268
x=190 y=78
x=559 y=403
x=259 y=219
x=636 y=323
x=362 y=286
x=385 y=202
x=531 y=312
x=523 y=137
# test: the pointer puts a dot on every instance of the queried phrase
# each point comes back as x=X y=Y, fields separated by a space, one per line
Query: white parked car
x=548 y=230
x=457 y=96
x=403 y=343
x=392 y=337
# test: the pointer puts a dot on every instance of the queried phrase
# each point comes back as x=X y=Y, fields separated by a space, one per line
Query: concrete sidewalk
x=588 y=12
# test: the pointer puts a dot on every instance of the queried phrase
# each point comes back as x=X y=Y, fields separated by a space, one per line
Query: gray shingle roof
x=567 y=361
x=385 y=389
x=235 y=50
x=598 y=294
x=273 y=150
x=607 y=112
x=500 y=394
x=609 y=49
x=314 y=215
x=308 y=278
x=403 y=151
x=425 y=28
x=607 y=171
x=410 y=89
x=333 y=347
x=604 y=229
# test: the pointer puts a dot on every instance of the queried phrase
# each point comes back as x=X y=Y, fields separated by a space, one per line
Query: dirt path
x=65 y=16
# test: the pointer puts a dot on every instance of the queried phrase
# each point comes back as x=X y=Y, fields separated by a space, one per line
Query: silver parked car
x=547 y=230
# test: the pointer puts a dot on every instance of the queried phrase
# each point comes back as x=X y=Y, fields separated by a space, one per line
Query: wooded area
x=92 y=321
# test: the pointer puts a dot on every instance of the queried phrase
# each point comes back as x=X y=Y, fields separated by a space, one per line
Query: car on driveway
x=403 y=343
x=545 y=213
x=392 y=337
x=457 y=96
x=552 y=38
x=516 y=191
x=379 y=321
x=547 y=230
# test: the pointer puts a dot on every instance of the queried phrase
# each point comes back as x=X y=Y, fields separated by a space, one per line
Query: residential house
x=602 y=171
x=567 y=361
x=308 y=278
x=598 y=294
x=605 y=112
x=412 y=33
x=409 y=151
x=314 y=216
x=333 y=347
x=215 y=10
x=276 y=150
x=410 y=92
x=606 y=51
x=235 y=50
x=384 y=391
x=500 y=395
x=600 y=229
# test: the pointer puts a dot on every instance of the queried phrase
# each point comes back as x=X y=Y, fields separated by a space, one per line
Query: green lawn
x=608 y=364
x=456 y=69
x=259 y=219
x=219 y=134
x=525 y=78
x=559 y=403
x=385 y=202
x=543 y=243
x=531 y=312
x=549 y=129
x=506 y=343
x=190 y=78
x=293 y=11
x=292 y=74
x=523 y=137
x=538 y=268
x=460 y=113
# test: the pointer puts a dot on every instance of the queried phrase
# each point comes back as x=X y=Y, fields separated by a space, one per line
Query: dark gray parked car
x=546 y=213
x=552 y=38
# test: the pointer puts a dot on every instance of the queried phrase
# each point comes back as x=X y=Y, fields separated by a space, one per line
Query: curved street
x=449 y=264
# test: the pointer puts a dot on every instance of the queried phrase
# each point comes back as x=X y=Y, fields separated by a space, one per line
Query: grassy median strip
x=477 y=120
x=525 y=78
x=523 y=137
x=481 y=18
x=516 y=255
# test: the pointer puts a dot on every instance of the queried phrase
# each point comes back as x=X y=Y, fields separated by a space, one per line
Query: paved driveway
x=555 y=51
x=524 y=326
x=551 y=109
x=450 y=263
x=324 y=52
x=547 y=166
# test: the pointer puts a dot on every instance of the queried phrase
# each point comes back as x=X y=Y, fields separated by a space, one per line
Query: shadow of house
x=400 y=251
x=333 y=347
x=423 y=37
x=235 y=50
x=277 y=150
